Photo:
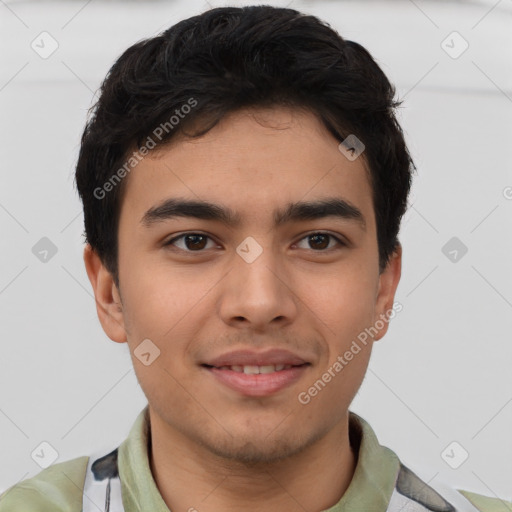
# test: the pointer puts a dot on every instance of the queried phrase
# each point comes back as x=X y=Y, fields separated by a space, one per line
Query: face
x=254 y=283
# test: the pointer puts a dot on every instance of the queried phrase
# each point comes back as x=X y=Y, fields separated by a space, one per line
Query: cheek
x=158 y=295
x=344 y=300
x=159 y=314
x=168 y=308
x=334 y=386
x=154 y=311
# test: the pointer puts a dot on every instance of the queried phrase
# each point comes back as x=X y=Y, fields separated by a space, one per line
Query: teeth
x=251 y=369
x=254 y=370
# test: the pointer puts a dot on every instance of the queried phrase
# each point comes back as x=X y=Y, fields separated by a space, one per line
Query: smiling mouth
x=255 y=370
x=257 y=380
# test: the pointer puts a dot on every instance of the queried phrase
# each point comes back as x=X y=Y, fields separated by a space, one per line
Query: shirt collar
x=370 y=488
x=376 y=471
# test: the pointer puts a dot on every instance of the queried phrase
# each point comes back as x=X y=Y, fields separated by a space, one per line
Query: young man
x=243 y=180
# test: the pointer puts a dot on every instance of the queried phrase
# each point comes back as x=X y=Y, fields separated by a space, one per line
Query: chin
x=253 y=450
x=252 y=454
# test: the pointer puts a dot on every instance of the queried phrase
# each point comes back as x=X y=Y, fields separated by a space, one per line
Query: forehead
x=254 y=162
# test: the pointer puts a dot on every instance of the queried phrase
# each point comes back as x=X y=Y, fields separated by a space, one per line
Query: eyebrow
x=292 y=212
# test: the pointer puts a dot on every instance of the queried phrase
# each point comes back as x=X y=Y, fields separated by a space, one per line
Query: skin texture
x=213 y=448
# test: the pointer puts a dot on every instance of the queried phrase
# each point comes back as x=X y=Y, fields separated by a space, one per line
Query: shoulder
x=54 y=489
x=415 y=495
x=485 y=503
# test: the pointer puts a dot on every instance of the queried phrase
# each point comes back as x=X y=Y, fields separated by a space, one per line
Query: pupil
x=189 y=237
x=315 y=238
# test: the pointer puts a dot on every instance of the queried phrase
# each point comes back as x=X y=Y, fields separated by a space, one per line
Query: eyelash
x=338 y=240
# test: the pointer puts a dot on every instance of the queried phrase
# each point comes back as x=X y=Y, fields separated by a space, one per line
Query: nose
x=258 y=295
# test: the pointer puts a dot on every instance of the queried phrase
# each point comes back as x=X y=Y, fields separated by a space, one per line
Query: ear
x=106 y=294
x=388 y=283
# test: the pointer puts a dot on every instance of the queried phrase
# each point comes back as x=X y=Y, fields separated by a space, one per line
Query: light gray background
x=443 y=371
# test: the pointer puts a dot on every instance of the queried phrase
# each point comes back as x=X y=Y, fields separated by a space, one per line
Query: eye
x=192 y=242
x=196 y=242
x=320 y=241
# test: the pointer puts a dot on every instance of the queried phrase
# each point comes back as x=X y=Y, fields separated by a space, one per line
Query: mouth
x=255 y=369
x=257 y=380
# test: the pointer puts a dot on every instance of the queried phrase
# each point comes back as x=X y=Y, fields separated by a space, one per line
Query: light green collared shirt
x=380 y=482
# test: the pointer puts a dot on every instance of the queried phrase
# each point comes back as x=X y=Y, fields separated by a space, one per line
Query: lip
x=258 y=385
x=262 y=384
x=250 y=357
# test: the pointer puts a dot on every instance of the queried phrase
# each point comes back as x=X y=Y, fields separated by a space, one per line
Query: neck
x=191 y=478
